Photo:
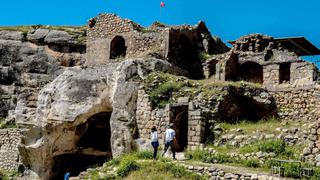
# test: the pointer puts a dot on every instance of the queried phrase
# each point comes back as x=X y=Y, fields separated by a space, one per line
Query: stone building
x=274 y=63
x=111 y=38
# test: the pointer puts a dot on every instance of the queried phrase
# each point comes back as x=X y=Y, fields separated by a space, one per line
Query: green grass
x=7 y=175
x=6 y=125
x=158 y=170
x=164 y=88
x=139 y=164
x=249 y=127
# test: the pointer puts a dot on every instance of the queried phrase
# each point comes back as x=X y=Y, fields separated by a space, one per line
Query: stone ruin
x=97 y=108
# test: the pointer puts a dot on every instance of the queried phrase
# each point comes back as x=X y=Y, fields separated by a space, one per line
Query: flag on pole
x=162 y=4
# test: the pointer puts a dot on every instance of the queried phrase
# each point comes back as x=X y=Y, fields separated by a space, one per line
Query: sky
x=228 y=19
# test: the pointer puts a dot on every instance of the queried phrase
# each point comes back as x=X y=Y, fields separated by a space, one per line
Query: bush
x=199 y=155
x=254 y=163
x=316 y=174
x=127 y=165
x=276 y=146
x=144 y=155
x=292 y=170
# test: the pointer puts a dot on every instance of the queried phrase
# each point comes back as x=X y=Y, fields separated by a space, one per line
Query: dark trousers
x=155 y=146
x=166 y=147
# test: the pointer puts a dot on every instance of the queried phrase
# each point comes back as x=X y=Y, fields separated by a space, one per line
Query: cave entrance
x=179 y=119
x=93 y=147
x=251 y=72
x=117 y=47
x=75 y=163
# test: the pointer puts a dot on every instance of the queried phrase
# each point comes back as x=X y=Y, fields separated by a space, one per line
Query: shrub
x=316 y=174
x=127 y=165
x=254 y=163
x=144 y=155
x=276 y=146
x=223 y=158
x=199 y=155
x=292 y=170
x=162 y=93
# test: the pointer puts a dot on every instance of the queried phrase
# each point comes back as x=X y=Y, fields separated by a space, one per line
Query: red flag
x=162 y=4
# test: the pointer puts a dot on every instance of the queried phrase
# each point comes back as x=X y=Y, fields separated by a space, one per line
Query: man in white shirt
x=169 y=137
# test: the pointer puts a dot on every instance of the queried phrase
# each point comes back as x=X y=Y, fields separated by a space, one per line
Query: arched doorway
x=93 y=147
x=117 y=47
x=251 y=72
x=179 y=119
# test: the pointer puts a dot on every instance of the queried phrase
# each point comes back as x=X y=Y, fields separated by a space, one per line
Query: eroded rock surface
x=65 y=105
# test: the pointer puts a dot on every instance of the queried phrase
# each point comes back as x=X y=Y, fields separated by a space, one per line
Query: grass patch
x=127 y=165
x=7 y=125
x=164 y=88
x=158 y=170
x=249 y=127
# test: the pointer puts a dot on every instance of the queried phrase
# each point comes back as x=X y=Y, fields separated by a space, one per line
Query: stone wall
x=147 y=117
x=298 y=104
x=9 y=154
x=107 y=25
x=302 y=74
x=312 y=153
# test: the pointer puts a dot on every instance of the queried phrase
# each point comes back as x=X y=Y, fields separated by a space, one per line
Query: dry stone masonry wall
x=9 y=154
x=298 y=104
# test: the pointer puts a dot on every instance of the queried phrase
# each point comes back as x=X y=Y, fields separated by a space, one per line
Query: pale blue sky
x=228 y=19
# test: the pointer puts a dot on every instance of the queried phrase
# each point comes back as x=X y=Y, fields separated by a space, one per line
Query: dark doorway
x=180 y=120
x=74 y=163
x=284 y=73
x=117 y=47
x=251 y=72
x=93 y=147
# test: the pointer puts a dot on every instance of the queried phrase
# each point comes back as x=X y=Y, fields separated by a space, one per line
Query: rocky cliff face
x=28 y=61
x=66 y=105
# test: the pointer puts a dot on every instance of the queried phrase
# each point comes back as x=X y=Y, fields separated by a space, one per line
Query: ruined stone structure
x=113 y=38
x=262 y=59
x=88 y=102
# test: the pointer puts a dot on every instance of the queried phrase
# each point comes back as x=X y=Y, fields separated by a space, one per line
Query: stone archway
x=92 y=148
x=251 y=72
x=117 y=47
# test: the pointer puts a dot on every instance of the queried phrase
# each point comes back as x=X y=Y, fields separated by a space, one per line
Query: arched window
x=117 y=47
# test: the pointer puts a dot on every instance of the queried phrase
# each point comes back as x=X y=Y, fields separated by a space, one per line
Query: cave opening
x=75 y=164
x=179 y=119
x=92 y=149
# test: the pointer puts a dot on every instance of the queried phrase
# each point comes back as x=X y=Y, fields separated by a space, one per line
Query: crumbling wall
x=9 y=154
x=311 y=153
x=107 y=25
x=298 y=104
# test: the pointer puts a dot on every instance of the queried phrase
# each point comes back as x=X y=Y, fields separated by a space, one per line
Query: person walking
x=154 y=141
x=169 y=137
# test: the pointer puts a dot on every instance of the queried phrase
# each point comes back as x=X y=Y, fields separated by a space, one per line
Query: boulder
x=11 y=35
x=58 y=37
x=38 y=35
